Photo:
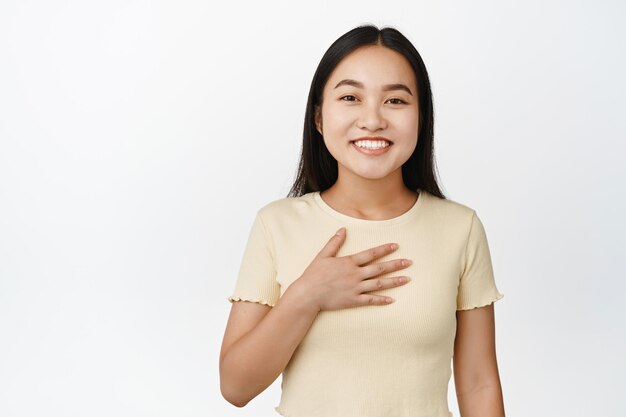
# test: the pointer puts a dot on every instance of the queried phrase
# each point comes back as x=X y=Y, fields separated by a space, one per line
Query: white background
x=138 y=139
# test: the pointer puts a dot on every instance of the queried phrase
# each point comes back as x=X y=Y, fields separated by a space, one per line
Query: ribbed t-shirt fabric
x=372 y=361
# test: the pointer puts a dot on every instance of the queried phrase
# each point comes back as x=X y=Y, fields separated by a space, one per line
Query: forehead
x=373 y=65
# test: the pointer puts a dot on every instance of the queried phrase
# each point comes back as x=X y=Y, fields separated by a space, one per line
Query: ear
x=318 y=119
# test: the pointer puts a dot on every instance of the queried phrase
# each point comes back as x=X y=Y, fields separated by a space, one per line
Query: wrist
x=301 y=298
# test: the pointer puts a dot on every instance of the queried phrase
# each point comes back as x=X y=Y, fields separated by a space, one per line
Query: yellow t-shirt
x=372 y=361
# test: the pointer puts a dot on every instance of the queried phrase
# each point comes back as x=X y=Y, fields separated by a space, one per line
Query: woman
x=365 y=321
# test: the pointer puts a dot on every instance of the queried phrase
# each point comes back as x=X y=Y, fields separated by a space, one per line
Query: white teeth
x=372 y=144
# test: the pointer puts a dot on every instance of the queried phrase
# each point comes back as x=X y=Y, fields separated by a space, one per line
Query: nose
x=371 y=118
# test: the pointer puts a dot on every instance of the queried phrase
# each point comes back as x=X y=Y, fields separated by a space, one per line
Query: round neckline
x=410 y=213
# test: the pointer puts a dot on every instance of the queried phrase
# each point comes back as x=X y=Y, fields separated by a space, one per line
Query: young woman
x=365 y=282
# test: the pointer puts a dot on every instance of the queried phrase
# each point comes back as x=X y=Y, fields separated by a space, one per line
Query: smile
x=372 y=147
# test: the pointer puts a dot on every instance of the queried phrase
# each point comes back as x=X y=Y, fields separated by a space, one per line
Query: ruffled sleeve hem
x=264 y=302
x=481 y=303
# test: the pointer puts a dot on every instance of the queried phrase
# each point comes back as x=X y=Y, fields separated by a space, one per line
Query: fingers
x=380 y=268
x=375 y=284
x=334 y=243
x=368 y=255
x=374 y=300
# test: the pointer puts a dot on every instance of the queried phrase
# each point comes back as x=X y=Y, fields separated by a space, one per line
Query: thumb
x=334 y=243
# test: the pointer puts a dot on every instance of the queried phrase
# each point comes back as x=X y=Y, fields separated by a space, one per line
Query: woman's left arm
x=476 y=377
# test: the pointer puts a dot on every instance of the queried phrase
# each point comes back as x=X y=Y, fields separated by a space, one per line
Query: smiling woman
x=319 y=298
x=369 y=93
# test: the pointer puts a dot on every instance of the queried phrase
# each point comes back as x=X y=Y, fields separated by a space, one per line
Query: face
x=370 y=94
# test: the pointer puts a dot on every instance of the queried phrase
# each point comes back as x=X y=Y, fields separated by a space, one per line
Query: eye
x=350 y=97
x=397 y=101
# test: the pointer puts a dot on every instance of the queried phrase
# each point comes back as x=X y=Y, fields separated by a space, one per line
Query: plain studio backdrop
x=138 y=139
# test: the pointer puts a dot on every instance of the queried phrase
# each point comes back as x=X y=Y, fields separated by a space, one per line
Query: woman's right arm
x=259 y=343
x=259 y=340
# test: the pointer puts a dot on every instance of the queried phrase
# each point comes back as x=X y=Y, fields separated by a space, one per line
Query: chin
x=372 y=176
x=368 y=171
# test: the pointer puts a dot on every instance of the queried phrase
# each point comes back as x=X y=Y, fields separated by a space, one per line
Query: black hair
x=317 y=169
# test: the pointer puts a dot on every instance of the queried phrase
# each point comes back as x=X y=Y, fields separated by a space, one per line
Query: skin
x=259 y=340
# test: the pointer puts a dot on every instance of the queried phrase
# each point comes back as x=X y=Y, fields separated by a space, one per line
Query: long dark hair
x=317 y=169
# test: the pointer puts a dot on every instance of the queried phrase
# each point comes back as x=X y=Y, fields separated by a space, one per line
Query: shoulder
x=283 y=217
x=452 y=221
x=285 y=206
x=448 y=211
x=288 y=210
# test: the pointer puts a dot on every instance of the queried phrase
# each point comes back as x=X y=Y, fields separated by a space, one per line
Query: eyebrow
x=388 y=87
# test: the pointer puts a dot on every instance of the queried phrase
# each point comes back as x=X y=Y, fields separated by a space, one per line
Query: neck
x=375 y=199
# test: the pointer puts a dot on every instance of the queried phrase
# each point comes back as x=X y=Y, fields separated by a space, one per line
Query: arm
x=258 y=343
x=476 y=377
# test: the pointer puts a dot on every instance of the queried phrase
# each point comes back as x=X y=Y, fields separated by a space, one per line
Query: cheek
x=335 y=118
x=409 y=125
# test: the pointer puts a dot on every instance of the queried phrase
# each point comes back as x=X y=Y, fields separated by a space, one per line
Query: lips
x=372 y=138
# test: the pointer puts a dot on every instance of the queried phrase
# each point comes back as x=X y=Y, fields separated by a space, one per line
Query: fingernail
x=394 y=246
x=407 y=262
x=339 y=232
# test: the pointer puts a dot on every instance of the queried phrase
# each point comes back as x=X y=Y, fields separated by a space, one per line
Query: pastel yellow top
x=372 y=361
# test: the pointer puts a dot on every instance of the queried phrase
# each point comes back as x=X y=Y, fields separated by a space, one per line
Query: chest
x=424 y=311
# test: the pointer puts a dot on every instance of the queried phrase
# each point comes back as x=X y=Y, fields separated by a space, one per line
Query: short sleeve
x=477 y=287
x=256 y=279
